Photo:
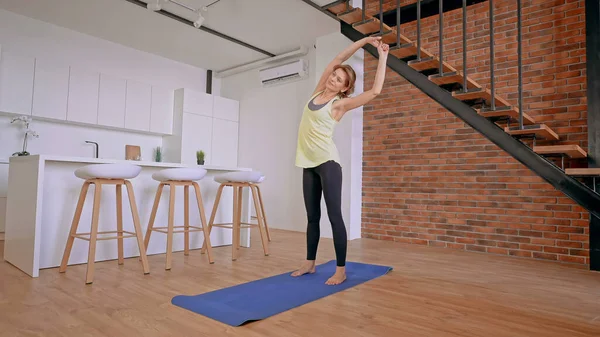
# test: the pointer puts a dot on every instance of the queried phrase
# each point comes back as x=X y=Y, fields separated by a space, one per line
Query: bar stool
x=238 y=180
x=99 y=175
x=174 y=177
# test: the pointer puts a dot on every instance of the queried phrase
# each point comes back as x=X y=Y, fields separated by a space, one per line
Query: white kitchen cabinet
x=3 y=193
x=2 y=214
x=16 y=82
x=137 y=106
x=82 y=105
x=161 y=111
x=224 y=143
x=50 y=89
x=196 y=134
x=3 y=180
x=203 y=122
x=199 y=103
x=111 y=101
x=225 y=108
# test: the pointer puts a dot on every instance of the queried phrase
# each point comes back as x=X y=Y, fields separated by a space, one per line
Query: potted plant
x=200 y=157
x=158 y=154
x=25 y=120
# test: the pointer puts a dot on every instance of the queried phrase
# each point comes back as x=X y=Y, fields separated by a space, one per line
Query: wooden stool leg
x=235 y=224
x=262 y=210
x=120 y=222
x=186 y=219
x=74 y=225
x=170 y=228
x=205 y=229
x=212 y=215
x=153 y=216
x=261 y=222
x=239 y=217
x=137 y=226
x=89 y=277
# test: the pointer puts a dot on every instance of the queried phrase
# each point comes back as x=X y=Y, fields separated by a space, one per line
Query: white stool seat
x=108 y=171
x=180 y=174
x=254 y=177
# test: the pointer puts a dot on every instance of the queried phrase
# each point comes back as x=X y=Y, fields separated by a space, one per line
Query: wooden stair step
x=351 y=16
x=540 y=131
x=583 y=172
x=367 y=27
x=572 y=151
x=339 y=8
x=454 y=77
x=483 y=94
x=390 y=36
x=511 y=112
x=427 y=63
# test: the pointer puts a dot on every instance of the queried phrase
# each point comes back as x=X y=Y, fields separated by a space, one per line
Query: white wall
x=269 y=119
x=26 y=36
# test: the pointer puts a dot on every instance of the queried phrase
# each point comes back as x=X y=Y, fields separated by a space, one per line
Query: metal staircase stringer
x=551 y=173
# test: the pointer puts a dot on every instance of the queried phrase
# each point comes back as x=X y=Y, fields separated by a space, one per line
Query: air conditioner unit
x=284 y=73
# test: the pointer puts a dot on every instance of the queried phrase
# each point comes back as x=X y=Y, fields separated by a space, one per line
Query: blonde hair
x=349 y=81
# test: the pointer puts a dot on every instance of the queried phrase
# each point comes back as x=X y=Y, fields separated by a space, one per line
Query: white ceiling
x=276 y=26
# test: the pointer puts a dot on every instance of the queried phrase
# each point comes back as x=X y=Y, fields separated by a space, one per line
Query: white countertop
x=3 y=160
x=87 y=160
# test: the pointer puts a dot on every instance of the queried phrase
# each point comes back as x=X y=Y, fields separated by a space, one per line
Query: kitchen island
x=42 y=196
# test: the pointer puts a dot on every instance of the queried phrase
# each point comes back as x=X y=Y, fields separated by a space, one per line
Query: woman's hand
x=383 y=50
x=373 y=40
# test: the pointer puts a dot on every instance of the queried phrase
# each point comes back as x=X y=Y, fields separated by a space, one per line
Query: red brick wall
x=430 y=179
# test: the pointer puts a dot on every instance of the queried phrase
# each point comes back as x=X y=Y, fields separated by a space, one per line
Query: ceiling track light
x=200 y=20
x=154 y=6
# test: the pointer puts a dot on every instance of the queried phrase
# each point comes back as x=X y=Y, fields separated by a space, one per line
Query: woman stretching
x=318 y=156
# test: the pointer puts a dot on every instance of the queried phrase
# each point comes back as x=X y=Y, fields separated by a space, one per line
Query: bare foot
x=338 y=277
x=307 y=267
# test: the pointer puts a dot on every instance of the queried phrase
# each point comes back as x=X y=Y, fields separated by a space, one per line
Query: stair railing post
x=492 y=54
x=380 y=17
x=418 y=30
x=364 y=9
x=398 y=24
x=519 y=52
x=441 y=72
x=464 y=24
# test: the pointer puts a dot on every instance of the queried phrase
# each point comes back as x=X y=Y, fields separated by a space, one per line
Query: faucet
x=97 y=146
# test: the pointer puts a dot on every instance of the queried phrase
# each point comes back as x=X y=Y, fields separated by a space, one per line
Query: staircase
x=482 y=109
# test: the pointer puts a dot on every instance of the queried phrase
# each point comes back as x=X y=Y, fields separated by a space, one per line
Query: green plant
x=158 y=154
x=200 y=157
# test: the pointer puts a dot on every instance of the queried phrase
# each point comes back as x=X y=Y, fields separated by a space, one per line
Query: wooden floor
x=431 y=292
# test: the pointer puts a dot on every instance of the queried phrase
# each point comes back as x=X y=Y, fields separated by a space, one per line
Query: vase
x=200 y=162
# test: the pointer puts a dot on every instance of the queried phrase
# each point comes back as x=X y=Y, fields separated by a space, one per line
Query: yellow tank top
x=315 y=136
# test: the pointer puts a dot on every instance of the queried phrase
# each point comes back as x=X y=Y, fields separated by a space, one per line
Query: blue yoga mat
x=269 y=296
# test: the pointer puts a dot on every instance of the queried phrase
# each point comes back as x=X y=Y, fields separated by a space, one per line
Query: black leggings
x=326 y=179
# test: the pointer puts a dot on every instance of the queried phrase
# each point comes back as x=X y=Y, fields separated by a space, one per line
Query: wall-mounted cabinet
x=16 y=83
x=138 y=103
x=203 y=122
x=111 y=101
x=82 y=103
x=50 y=90
x=162 y=100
